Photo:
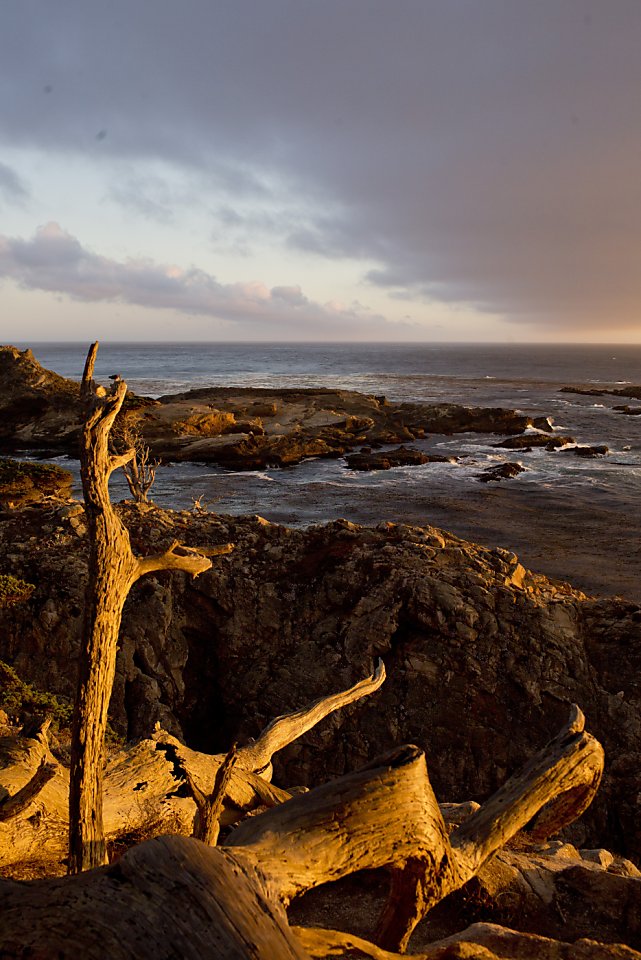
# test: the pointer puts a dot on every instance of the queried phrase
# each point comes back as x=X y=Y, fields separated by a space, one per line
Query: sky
x=320 y=170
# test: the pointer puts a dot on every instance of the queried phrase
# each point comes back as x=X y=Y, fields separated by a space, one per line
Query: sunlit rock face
x=483 y=657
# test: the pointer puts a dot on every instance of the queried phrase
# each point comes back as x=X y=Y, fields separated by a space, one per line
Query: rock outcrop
x=483 y=656
x=22 y=482
x=232 y=427
x=38 y=408
x=584 y=450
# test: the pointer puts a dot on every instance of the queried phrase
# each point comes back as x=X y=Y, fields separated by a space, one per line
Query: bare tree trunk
x=113 y=569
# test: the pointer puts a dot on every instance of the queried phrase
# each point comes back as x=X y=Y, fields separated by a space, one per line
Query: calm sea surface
x=561 y=491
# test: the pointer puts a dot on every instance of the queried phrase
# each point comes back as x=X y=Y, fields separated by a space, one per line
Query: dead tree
x=174 y=896
x=140 y=470
x=113 y=569
x=144 y=785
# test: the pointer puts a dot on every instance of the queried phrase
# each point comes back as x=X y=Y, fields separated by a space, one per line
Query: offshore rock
x=504 y=471
x=483 y=657
x=599 y=450
x=630 y=390
x=527 y=441
x=400 y=457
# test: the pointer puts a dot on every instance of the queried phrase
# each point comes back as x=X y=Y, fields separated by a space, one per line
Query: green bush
x=13 y=590
x=21 y=700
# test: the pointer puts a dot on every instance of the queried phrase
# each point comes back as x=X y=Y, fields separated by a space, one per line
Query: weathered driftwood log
x=174 y=896
x=113 y=570
x=144 y=785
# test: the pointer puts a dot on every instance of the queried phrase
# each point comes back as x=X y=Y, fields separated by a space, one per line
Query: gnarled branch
x=559 y=781
x=12 y=806
x=287 y=728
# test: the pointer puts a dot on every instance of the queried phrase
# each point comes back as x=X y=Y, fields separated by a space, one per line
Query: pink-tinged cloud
x=55 y=261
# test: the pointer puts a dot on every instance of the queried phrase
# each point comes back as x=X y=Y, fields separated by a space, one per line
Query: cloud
x=151 y=199
x=12 y=187
x=482 y=153
x=56 y=262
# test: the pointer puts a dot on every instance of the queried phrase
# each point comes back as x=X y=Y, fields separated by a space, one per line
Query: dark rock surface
x=630 y=411
x=38 y=408
x=483 y=657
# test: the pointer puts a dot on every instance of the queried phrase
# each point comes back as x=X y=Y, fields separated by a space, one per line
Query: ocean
x=565 y=515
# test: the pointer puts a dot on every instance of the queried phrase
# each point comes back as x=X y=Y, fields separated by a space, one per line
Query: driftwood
x=175 y=896
x=152 y=787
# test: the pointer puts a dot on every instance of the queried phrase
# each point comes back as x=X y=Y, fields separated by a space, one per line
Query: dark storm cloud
x=12 y=188
x=55 y=261
x=479 y=152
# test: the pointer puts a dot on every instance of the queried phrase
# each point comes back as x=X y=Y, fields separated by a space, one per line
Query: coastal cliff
x=483 y=656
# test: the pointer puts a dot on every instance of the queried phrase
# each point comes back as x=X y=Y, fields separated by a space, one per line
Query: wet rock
x=527 y=441
x=504 y=471
x=630 y=390
x=630 y=411
x=599 y=450
x=543 y=423
x=401 y=457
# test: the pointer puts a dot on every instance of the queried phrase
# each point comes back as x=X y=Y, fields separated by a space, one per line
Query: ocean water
x=571 y=498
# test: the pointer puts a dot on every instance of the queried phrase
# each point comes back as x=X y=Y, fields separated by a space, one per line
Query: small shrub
x=21 y=700
x=13 y=590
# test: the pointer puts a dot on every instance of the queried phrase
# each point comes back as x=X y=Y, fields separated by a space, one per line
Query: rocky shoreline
x=237 y=428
